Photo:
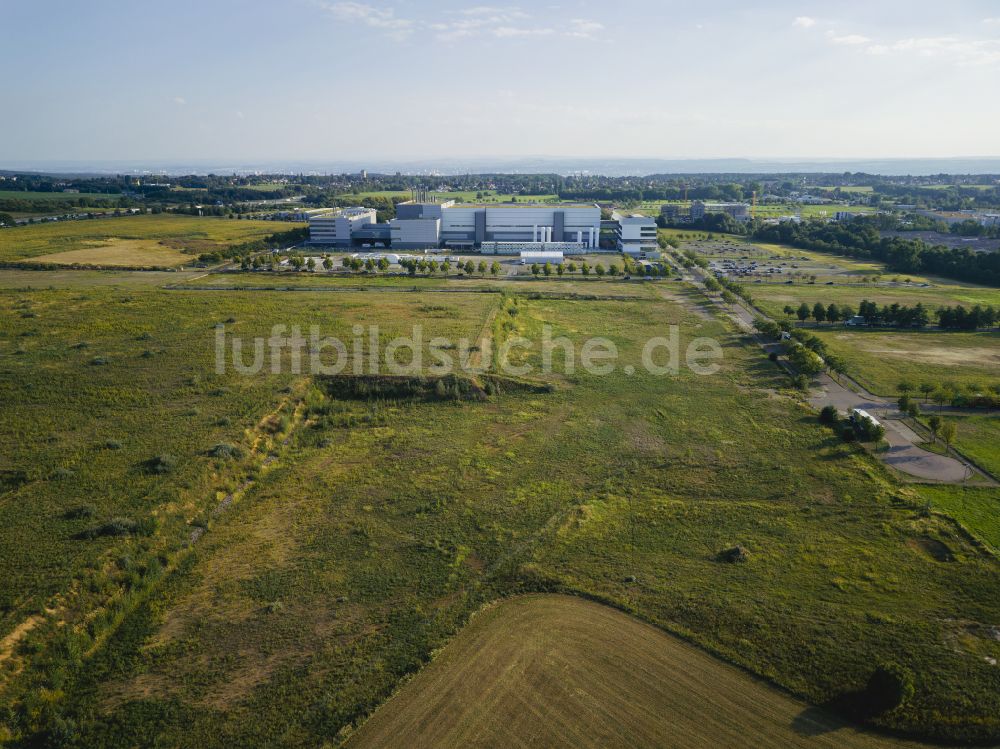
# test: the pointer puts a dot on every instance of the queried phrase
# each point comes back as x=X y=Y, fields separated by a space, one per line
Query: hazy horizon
x=334 y=80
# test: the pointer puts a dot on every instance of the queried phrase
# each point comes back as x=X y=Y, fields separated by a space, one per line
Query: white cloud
x=378 y=18
x=804 y=22
x=520 y=31
x=992 y=21
x=180 y=101
x=850 y=39
x=961 y=52
x=501 y=22
x=584 y=28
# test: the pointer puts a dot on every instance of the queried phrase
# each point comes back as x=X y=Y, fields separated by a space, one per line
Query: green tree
x=327 y=263
x=948 y=432
x=547 y=269
x=599 y=269
x=904 y=387
x=803 y=312
x=833 y=312
x=446 y=267
x=934 y=422
x=482 y=268
x=383 y=264
x=495 y=268
x=560 y=269
x=535 y=269
x=926 y=388
x=819 y=312
x=370 y=265
x=311 y=264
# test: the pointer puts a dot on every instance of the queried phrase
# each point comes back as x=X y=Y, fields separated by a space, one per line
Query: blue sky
x=324 y=79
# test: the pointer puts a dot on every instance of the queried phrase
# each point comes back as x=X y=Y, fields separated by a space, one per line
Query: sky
x=418 y=79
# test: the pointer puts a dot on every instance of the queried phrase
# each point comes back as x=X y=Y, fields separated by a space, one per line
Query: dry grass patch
x=126 y=252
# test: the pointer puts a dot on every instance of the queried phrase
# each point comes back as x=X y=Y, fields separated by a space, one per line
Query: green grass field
x=880 y=360
x=379 y=526
x=772 y=298
x=978 y=436
x=187 y=234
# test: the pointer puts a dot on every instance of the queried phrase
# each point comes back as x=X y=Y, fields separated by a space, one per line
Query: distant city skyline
x=341 y=81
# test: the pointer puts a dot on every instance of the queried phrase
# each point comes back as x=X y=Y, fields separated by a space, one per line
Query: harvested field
x=549 y=670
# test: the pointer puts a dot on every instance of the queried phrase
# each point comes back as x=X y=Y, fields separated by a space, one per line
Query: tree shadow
x=848 y=710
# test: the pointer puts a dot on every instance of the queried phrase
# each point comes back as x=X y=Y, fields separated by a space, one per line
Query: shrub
x=734 y=554
x=848 y=433
x=116 y=527
x=83 y=512
x=829 y=415
x=773 y=356
x=98 y=361
x=889 y=687
x=113 y=445
x=801 y=382
x=225 y=451
x=160 y=464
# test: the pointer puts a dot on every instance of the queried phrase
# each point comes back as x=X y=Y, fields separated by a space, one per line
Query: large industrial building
x=635 y=234
x=339 y=227
x=465 y=226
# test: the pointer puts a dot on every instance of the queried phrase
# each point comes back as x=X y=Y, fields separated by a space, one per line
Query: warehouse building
x=462 y=226
x=338 y=227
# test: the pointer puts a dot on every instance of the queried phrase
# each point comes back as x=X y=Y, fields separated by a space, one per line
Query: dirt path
x=560 y=671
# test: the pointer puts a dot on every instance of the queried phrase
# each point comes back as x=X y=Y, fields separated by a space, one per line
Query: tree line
x=897 y=315
x=860 y=238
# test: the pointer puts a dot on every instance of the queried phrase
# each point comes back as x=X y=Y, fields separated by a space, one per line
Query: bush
x=889 y=687
x=160 y=464
x=773 y=356
x=98 y=361
x=829 y=415
x=848 y=433
x=225 y=451
x=83 y=512
x=734 y=554
x=801 y=382
x=116 y=527
x=113 y=445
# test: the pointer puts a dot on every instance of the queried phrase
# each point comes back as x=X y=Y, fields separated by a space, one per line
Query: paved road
x=903 y=453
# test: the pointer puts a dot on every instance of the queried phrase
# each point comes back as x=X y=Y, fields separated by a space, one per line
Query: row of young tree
x=971 y=395
x=897 y=315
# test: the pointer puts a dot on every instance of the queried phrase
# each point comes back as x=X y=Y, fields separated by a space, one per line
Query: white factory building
x=635 y=234
x=339 y=227
x=566 y=227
